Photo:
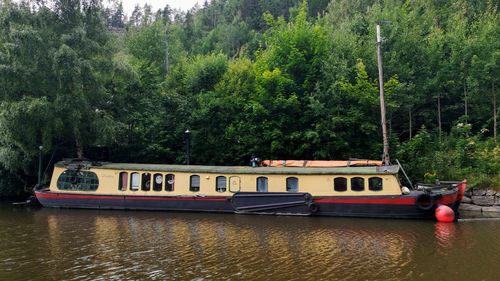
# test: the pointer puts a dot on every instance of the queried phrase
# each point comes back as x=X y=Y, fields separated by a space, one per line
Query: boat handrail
x=404 y=173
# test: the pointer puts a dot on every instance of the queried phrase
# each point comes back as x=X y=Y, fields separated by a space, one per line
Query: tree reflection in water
x=117 y=245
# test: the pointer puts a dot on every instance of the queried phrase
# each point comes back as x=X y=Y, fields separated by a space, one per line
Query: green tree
x=51 y=64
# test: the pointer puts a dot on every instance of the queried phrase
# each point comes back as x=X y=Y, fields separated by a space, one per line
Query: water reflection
x=445 y=234
x=216 y=245
x=108 y=245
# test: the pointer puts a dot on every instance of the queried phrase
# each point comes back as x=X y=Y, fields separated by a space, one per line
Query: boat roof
x=320 y=163
x=364 y=170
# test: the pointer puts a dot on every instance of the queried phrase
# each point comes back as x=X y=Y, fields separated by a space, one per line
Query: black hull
x=403 y=207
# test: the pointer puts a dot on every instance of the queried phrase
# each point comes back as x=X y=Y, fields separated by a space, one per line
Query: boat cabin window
x=194 y=183
x=123 y=181
x=78 y=180
x=340 y=184
x=134 y=181
x=261 y=184
x=158 y=182
x=169 y=182
x=375 y=184
x=146 y=182
x=292 y=184
x=220 y=184
x=357 y=184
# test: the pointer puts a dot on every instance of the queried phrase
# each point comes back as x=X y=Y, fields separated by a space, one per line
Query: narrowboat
x=360 y=188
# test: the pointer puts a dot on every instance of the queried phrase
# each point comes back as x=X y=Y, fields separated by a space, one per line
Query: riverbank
x=483 y=202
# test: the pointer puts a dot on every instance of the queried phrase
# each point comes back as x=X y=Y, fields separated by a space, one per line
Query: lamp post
x=187 y=140
x=40 y=164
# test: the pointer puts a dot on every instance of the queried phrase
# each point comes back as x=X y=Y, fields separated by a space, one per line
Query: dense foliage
x=277 y=79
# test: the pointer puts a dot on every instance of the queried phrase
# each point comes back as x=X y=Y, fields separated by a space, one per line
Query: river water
x=65 y=244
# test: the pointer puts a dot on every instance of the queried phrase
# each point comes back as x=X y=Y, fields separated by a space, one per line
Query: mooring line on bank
x=479 y=219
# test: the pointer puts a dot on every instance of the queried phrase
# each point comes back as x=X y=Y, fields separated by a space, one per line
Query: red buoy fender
x=445 y=214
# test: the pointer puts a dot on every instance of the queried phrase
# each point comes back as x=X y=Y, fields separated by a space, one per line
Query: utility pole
x=385 y=156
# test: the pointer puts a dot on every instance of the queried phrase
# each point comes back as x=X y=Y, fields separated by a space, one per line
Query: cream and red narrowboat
x=318 y=188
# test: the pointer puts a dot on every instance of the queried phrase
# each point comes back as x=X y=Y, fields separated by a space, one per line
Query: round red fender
x=445 y=214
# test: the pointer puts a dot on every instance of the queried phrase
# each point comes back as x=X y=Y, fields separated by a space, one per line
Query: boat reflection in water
x=147 y=244
x=73 y=244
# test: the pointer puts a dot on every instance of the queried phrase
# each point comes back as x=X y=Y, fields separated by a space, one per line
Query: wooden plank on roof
x=369 y=170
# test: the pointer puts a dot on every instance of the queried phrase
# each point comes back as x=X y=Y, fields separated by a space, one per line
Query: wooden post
x=40 y=165
x=465 y=103
x=166 y=53
x=385 y=156
x=494 y=112
x=187 y=140
x=409 y=115
x=439 y=115
x=79 y=146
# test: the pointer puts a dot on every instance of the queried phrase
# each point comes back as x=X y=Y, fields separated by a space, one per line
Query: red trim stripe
x=122 y=197
x=447 y=199
x=385 y=201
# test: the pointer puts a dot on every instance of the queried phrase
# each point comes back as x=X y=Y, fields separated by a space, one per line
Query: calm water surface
x=63 y=244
